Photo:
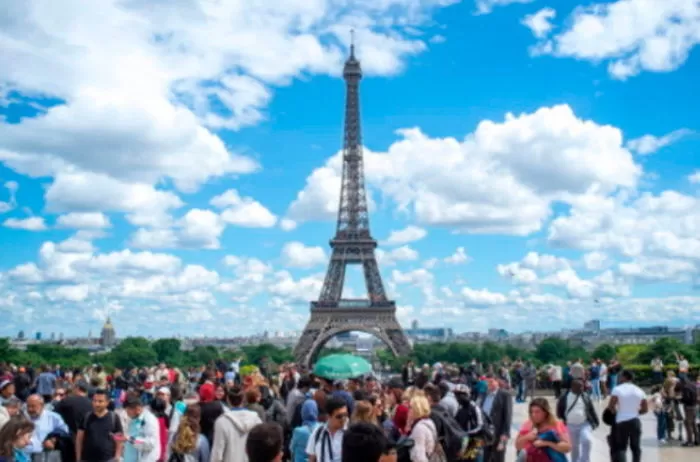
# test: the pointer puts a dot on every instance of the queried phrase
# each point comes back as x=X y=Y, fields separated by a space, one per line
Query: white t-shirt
x=323 y=454
x=603 y=373
x=575 y=409
x=629 y=400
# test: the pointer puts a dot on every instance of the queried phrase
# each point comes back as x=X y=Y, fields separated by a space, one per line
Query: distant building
x=20 y=335
x=592 y=325
x=437 y=334
x=108 y=337
x=38 y=336
x=414 y=324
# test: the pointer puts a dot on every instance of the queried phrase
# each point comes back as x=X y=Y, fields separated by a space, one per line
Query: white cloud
x=460 y=256
x=404 y=236
x=391 y=257
x=487 y=6
x=500 y=179
x=85 y=220
x=11 y=203
x=659 y=270
x=74 y=293
x=138 y=108
x=27 y=224
x=631 y=35
x=198 y=228
x=243 y=211
x=595 y=261
x=694 y=178
x=649 y=144
x=665 y=225
x=540 y=23
x=482 y=297
x=287 y=224
x=297 y=255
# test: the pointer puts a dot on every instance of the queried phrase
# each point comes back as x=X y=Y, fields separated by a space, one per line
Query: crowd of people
x=436 y=413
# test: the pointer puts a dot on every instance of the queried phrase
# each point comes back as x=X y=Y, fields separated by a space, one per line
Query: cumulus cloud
x=460 y=256
x=661 y=39
x=297 y=255
x=487 y=6
x=540 y=23
x=27 y=224
x=11 y=203
x=243 y=211
x=85 y=220
x=502 y=178
x=404 y=236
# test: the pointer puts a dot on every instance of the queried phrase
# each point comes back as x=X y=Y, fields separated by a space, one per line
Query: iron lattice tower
x=352 y=245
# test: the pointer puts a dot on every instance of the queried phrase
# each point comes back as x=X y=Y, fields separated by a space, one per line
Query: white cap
x=164 y=390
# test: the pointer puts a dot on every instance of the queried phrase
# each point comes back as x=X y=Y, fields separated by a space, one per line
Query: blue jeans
x=613 y=382
x=661 y=425
x=595 y=389
x=581 y=440
x=521 y=392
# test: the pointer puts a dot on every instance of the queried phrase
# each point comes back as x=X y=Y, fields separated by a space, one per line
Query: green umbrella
x=342 y=366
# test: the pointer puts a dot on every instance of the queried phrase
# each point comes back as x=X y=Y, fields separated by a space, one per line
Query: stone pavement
x=651 y=451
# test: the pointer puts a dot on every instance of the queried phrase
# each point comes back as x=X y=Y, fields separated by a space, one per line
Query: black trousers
x=625 y=435
x=492 y=454
x=557 y=388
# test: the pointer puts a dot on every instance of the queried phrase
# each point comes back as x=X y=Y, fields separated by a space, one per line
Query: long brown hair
x=188 y=431
x=12 y=430
x=550 y=419
x=363 y=412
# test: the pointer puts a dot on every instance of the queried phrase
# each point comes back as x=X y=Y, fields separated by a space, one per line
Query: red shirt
x=560 y=429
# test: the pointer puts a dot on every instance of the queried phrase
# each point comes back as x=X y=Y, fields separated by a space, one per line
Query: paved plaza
x=651 y=452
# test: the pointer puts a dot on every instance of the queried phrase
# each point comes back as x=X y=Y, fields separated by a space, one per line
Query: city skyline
x=525 y=162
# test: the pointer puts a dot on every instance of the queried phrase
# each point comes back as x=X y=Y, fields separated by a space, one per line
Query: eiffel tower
x=352 y=245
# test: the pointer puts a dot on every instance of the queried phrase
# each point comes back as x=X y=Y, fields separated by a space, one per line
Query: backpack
x=488 y=429
x=450 y=435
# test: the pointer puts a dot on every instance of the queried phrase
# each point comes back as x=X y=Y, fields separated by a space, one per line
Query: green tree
x=490 y=352
x=133 y=352
x=604 y=351
x=168 y=350
x=629 y=354
x=666 y=348
x=553 y=350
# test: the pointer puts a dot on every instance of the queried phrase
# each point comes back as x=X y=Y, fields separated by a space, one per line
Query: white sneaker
x=662 y=441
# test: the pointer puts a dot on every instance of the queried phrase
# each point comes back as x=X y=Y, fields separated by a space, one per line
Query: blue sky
x=175 y=165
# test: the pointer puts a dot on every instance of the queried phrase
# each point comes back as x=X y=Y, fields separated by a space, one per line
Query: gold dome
x=108 y=324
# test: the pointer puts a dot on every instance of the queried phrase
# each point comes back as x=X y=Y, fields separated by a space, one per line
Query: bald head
x=35 y=404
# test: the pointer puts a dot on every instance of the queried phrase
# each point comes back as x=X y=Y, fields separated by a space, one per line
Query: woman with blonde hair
x=423 y=432
x=363 y=412
x=189 y=444
x=543 y=437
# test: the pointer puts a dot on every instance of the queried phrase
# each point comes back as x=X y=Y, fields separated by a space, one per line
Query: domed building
x=108 y=337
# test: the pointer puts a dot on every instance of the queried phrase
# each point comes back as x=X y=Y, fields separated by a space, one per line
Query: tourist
x=576 y=410
x=367 y=443
x=628 y=402
x=95 y=440
x=15 y=436
x=555 y=378
x=7 y=391
x=300 y=434
x=46 y=384
x=594 y=376
x=363 y=412
x=326 y=442
x=142 y=439
x=542 y=433
x=471 y=419
x=604 y=389
x=689 y=399
x=423 y=431
x=252 y=399
x=265 y=443
x=188 y=442
x=657 y=370
x=613 y=371
x=498 y=406
x=683 y=367
x=46 y=423
x=656 y=405
x=75 y=407
x=231 y=429
x=158 y=408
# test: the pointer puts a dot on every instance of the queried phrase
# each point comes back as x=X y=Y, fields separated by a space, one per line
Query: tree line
x=139 y=352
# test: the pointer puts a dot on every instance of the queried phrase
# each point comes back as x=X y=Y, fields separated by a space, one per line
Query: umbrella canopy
x=342 y=366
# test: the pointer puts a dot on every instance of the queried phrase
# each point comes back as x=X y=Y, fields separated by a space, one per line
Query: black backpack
x=450 y=434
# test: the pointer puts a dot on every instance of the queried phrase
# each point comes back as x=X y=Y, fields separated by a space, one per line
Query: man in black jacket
x=576 y=410
x=498 y=405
